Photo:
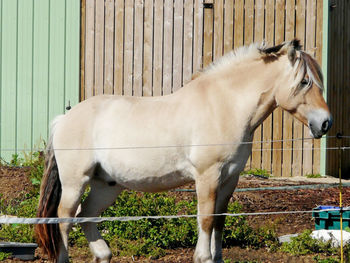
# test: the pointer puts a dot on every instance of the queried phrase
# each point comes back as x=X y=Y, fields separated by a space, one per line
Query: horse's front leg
x=224 y=194
x=206 y=187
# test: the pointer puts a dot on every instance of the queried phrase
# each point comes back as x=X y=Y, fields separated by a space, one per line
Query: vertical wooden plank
x=138 y=46
x=168 y=47
x=198 y=36
x=258 y=37
x=187 y=46
x=334 y=75
x=346 y=87
x=82 y=48
x=298 y=126
x=90 y=49
x=278 y=113
x=128 y=47
x=330 y=80
x=1 y=62
x=158 y=48
x=72 y=52
x=119 y=47
x=228 y=26
x=99 y=46
x=335 y=88
x=238 y=24
x=57 y=59
x=208 y=37
x=148 y=48
x=248 y=22
x=319 y=48
x=24 y=74
x=310 y=48
x=339 y=79
x=178 y=41
x=40 y=71
x=108 y=47
x=9 y=77
x=288 y=118
x=248 y=37
x=267 y=125
x=218 y=29
x=259 y=21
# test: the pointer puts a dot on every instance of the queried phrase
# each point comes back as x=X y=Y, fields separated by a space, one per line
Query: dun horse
x=113 y=143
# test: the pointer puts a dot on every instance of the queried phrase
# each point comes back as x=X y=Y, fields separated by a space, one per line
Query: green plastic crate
x=330 y=219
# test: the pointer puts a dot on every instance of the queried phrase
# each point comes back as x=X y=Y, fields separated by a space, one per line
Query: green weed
x=4 y=255
x=313 y=176
x=257 y=172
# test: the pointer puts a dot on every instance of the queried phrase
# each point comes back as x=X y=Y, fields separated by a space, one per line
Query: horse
x=201 y=133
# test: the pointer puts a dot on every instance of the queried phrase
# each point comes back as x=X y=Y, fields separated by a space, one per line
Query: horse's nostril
x=325 y=126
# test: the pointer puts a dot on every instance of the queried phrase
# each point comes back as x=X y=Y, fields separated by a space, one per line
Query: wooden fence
x=152 y=47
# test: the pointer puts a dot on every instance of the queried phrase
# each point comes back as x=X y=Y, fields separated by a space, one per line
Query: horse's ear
x=274 y=51
x=293 y=46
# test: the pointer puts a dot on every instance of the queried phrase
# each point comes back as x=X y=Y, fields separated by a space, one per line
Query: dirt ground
x=14 y=183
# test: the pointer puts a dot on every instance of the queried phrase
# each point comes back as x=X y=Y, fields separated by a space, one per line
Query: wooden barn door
x=152 y=47
x=339 y=87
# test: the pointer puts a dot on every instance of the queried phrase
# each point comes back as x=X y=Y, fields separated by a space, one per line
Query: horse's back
x=130 y=138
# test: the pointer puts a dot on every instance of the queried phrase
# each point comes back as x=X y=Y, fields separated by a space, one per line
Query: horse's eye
x=305 y=82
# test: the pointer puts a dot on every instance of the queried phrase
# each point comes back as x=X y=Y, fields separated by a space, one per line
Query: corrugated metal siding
x=39 y=68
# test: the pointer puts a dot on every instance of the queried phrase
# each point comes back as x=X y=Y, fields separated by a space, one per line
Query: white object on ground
x=331 y=235
x=287 y=238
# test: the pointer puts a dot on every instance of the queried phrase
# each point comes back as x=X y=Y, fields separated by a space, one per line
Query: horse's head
x=301 y=87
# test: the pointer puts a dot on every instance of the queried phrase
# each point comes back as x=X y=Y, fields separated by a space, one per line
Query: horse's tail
x=48 y=235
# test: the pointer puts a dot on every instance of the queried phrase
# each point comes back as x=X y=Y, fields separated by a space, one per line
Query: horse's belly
x=156 y=183
x=149 y=175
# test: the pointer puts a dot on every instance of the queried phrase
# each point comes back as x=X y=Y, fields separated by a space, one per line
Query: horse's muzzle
x=320 y=121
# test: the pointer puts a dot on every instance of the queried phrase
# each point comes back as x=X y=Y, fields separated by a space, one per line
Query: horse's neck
x=260 y=97
x=265 y=107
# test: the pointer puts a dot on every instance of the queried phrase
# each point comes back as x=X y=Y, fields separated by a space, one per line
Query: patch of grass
x=4 y=256
x=313 y=176
x=25 y=206
x=143 y=236
x=318 y=259
x=230 y=261
x=304 y=244
x=257 y=172
x=18 y=232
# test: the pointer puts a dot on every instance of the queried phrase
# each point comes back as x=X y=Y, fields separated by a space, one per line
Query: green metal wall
x=39 y=68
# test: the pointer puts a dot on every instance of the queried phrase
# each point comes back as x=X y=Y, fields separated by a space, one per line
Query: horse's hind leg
x=101 y=196
x=72 y=191
x=222 y=199
x=206 y=186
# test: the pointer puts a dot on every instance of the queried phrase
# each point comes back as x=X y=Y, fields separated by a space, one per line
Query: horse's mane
x=244 y=53
x=303 y=64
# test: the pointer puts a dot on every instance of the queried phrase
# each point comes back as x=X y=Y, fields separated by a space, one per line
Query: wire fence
x=74 y=220
x=7 y=219
x=130 y=147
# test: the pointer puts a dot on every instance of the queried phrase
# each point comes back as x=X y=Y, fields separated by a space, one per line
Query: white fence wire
x=7 y=219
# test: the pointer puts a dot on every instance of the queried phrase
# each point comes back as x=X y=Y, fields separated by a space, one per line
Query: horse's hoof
x=101 y=260
x=201 y=259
